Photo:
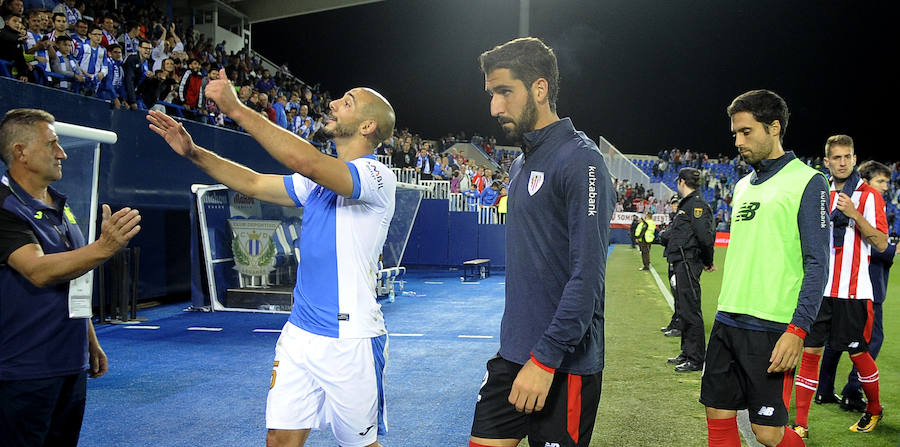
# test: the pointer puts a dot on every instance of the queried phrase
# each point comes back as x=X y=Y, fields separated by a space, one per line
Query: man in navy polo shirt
x=47 y=340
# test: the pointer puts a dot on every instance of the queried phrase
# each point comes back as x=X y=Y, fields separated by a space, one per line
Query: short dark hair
x=63 y=38
x=110 y=48
x=8 y=15
x=55 y=14
x=15 y=124
x=528 y=59
x=765 y=106
x=838 y=140
x=869 y=169
x=690 y=176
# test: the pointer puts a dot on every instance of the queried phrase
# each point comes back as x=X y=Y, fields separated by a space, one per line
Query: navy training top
x=560 y=203
x=37 y=337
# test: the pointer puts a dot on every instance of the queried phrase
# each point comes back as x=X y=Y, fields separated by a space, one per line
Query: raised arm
x=265 y=187
x=289 y=149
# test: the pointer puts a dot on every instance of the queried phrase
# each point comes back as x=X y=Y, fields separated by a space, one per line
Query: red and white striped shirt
x=848 y=277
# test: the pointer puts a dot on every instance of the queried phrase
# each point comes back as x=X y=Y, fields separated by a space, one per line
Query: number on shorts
x=275 y=365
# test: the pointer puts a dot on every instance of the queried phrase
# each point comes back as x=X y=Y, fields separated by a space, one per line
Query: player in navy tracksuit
x=544 y=384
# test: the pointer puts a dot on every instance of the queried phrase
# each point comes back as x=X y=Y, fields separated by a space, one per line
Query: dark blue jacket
x=879 y=269
x=560 y=203
x=37 y=337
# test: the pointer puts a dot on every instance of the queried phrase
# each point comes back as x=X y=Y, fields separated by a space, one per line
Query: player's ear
x=367 y=127
x=540 y=90
x=775 y=128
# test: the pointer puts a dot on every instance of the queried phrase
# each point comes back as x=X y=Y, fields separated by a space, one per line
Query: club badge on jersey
x=535 y=182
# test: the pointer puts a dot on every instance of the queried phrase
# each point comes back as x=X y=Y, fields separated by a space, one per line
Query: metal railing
x=406 y=175
x=620 y=167
x=439 y=189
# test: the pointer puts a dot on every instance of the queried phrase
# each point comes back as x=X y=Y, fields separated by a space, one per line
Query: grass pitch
x=646 y=403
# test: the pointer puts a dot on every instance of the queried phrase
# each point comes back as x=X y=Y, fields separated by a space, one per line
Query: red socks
x=807 y=381
x=868 y=377
x=787 y=387
x=791 y=439
x=723 y=432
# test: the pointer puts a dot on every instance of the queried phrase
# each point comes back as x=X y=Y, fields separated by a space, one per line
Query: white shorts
x=319 y=380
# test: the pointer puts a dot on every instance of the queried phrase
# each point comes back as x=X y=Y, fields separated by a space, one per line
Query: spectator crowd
x=131 y=55
x=717 y=179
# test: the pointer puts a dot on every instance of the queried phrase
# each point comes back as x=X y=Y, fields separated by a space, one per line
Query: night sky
x=646 y=75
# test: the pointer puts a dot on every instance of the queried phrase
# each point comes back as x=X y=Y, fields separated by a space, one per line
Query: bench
x=476 y=268
x=384 y=282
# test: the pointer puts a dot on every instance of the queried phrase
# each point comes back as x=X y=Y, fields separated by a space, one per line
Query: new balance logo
x=551 y=444
x=853 y=345
x=766 y=411
x=747 y=211
x=367 y=430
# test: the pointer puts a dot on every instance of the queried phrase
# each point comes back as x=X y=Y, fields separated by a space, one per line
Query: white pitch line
x=268 y=330
x=663 y=289
x=434 y=282
x=207 y=329
x=475 y=336
x=141 y=327
x=464 y=282
x=405 y=335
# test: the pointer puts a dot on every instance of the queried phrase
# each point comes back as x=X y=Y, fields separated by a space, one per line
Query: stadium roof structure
x=265 y=10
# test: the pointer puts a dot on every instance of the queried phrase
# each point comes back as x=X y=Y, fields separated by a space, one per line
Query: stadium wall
x=444 y=238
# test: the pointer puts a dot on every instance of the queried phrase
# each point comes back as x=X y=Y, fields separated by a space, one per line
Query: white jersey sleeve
x=298 y=188
x=373 y=182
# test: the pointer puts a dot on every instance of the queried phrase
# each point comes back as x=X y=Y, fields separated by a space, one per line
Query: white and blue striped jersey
x=340 y=242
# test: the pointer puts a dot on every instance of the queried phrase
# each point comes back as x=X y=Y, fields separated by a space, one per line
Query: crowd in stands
x=482 y=186
x=635 y=198
x=717 y=178
x=133 y=56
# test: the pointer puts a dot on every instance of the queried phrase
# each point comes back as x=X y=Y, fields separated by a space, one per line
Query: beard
x=761 y=152
x=526 y=121
x=339 y=130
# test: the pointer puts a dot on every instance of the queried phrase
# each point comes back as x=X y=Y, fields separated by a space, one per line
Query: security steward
x=689 y=242
x=645 y=232
x=673 y=329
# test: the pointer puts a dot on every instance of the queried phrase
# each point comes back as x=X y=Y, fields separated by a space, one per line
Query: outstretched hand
x=117 y=229
x=172 y=131
x=221 y=91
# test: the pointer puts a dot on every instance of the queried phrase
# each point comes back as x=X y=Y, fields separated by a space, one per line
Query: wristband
x=796 y=331
x=542 y=366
